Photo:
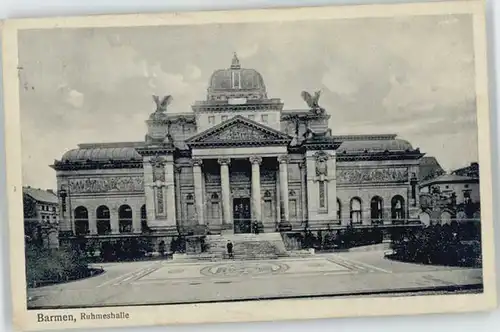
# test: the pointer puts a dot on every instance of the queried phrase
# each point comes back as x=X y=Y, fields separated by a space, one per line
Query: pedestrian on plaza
x=230 y=249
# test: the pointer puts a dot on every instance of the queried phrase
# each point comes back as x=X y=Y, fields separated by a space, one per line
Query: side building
x=41 y=217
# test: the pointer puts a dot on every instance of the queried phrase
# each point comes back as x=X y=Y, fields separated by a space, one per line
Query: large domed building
x=238 y=159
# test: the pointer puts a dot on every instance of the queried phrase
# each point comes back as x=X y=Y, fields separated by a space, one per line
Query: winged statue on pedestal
x=161 y=105
x=313 y=101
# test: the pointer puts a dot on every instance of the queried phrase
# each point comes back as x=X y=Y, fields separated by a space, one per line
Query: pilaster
x=170 y=195
x=149 y=191
x=114 y=221
x=92 y=220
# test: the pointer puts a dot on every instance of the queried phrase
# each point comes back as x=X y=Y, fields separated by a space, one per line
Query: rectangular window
x=268 y=209
x=251 y=117
x=264 y=118
x=322 y=194
x=224 y=117
x=190 y=212
x=211 y=119
x=236 y=80
x=215 y=212
x=292 y=206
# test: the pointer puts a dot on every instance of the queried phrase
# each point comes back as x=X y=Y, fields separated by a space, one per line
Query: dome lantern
x=235 y=63
x=236 y=82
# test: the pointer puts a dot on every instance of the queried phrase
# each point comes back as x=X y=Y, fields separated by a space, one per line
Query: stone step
x=248 y=246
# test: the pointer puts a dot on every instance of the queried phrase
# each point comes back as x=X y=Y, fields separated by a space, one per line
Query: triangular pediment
x=239 y=131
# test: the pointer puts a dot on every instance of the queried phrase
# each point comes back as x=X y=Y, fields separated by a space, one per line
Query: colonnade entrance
x=247 y=186
x=242 y=215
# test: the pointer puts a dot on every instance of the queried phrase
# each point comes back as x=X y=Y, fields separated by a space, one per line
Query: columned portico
x=225 y=189
x=256 y=200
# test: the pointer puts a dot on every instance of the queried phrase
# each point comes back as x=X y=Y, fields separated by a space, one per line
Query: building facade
x=41 y=216
x=237 y=160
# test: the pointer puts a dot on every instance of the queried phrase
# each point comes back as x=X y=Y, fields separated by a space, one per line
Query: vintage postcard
x=238 y=165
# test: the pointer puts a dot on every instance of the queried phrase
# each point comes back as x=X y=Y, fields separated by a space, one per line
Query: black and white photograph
x=248 y=159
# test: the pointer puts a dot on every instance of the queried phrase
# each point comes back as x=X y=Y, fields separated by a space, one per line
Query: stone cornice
x=305 y=114
x=88 y=165
x=236 y=108
x=322 y=145
x=181 y=118
x=155 y=150
x=241 y=144
x=379 y=156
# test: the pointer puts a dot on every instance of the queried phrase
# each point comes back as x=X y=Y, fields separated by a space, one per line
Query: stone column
x=256 y=200
x=283 y=160
x=198 y=191
x=226 y=190
x=170 y=193
x=136 y=219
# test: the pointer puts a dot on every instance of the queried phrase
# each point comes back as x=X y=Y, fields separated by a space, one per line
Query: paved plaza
x=168 y=282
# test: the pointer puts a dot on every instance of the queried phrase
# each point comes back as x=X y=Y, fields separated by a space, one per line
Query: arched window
x=398 y=209
x=376 y=210
x=339 y=211
x=144 y=218
x=103 y=220
x=125 y=219
x=81 y=221
x=356 y=217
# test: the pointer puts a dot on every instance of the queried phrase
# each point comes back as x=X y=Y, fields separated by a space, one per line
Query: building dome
x=236 y=82
x=101 y=154
x=392 y=145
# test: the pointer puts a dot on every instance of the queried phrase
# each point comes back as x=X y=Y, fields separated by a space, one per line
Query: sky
x=411 y=76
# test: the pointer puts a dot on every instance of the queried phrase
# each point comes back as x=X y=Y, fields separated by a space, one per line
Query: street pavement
x=170 y=282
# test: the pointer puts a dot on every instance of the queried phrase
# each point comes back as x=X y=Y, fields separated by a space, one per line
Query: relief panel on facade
x=107 y=184
x=372 y=175
x=240 y=133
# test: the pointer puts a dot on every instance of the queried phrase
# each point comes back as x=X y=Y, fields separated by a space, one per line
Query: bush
x=44 y=266
x=454 y=245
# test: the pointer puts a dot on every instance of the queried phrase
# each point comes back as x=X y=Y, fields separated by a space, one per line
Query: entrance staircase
x=248 y=246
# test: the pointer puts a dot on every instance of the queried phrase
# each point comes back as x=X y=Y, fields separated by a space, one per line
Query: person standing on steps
x=229 y=247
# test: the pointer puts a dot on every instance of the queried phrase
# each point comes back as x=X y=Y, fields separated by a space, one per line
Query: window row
x=103 y=219
x=264 y=118
x=376 y=210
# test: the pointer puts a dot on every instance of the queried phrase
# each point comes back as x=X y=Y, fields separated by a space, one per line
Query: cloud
x=248 y=50
x=75 y=98
x=413 y=76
